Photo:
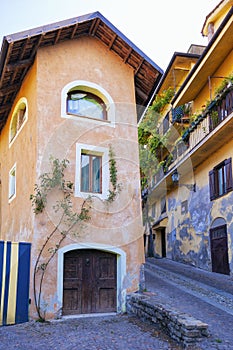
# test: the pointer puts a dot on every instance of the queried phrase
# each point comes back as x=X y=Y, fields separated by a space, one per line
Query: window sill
x=220 y=196
x=77 y=116
x=85 y=195
x=10 y=199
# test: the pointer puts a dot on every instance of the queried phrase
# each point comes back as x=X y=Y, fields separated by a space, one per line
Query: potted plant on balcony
x=214 y=118
x=225 y=86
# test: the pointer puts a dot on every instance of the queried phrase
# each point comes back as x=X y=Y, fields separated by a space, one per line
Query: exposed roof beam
x=57 y=36
x=94 y=26
x=9 y=90
x=74 y=31
x=139 y=66
x=37 y=45
x=112 y=41
x=6 y=107
x=182 y=68
x=24 y=48
x=127 y=55
x=19 y=65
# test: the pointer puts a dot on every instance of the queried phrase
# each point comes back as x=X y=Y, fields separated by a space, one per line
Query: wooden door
x=89 y=284
x=219 y=250
x=163 y=243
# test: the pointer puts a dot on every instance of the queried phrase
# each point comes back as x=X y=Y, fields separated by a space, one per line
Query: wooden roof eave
x=167 y=77
x=17 y=61
x=218 y=48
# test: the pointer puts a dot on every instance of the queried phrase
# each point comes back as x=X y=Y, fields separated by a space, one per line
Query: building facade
x=190 y=195
x=69 y=92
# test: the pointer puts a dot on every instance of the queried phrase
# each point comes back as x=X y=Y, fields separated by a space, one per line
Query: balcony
x=213 y=121
x=204 y=136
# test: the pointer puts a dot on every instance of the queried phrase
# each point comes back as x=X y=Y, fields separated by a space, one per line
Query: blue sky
x=158 y=28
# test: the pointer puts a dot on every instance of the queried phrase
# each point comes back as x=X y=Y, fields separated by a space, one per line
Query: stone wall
x=181 y=327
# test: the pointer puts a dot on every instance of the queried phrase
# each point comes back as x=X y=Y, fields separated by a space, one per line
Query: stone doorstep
x=179 y=326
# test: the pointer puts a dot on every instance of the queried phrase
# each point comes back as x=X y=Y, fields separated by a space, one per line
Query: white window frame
x=95 y=150
x=12 y=183
x=94 y=89
x=21 y=101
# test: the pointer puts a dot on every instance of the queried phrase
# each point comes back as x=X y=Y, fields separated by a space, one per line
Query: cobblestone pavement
x=89 y=333
x=205 y=295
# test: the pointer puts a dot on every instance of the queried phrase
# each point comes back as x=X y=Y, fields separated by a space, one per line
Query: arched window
x=86 y=104
x=18 y=119
x=87 y=100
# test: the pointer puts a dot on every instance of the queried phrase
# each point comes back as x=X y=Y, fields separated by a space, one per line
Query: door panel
x=106 y=283
x=89 y=282
x=72 y=285
x=219 y=250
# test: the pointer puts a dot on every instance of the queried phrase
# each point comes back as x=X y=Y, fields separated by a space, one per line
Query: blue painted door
x=14 y=282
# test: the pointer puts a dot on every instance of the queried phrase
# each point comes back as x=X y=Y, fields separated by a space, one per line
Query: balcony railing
x=218 y=110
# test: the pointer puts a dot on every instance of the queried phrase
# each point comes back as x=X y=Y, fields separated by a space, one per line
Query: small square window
x=91 y=173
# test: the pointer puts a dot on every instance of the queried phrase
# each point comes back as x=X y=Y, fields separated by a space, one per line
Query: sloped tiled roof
x=19 y=51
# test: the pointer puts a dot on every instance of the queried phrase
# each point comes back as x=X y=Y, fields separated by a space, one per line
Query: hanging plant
x=226 y=82
x=161 y=100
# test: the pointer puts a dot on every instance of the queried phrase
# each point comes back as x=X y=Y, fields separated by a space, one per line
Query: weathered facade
x=45 y=73
x=190 y=197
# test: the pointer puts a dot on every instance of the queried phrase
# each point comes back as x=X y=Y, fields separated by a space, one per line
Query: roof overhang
x=215 y=53
x=19 y=51
x=216 y=14
x=176 y=70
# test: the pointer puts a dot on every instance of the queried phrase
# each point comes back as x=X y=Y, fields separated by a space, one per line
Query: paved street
x=206 y=296
x=95 y=333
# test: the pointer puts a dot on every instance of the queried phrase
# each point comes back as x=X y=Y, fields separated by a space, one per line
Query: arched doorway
x=89 y=282
x=219 y=246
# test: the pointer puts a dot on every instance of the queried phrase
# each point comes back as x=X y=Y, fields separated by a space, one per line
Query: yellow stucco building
x=73 y=90
x=190 y=194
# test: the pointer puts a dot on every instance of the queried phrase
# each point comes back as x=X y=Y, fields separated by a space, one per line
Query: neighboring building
x=48 y=76
x=191 y=197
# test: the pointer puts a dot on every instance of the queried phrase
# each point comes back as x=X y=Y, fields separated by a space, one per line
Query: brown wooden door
x=89 y=284
x=219 y=250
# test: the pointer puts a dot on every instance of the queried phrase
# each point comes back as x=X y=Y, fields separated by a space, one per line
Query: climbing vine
x=68 y=218
x=152 y=145
x=116 y=187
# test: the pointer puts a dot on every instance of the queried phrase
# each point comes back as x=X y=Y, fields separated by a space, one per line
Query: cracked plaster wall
x=188 y=233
